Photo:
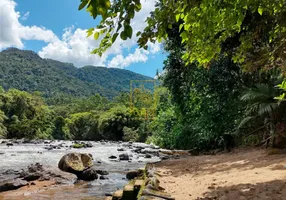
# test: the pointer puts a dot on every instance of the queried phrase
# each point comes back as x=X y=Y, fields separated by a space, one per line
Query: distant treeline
x=26 y=115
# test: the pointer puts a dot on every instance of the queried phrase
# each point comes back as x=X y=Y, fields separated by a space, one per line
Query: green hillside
x=25 y=70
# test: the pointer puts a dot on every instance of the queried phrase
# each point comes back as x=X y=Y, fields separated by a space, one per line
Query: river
x=21 y=155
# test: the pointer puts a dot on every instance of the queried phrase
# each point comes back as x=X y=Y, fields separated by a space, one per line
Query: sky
x=56 y=29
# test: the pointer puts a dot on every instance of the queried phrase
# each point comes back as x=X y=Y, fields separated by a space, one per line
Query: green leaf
x=89 y=32
x=138 y=33
x=123 y=36
x=131 y=14
x=102 y=11
x=83 y=4
x=96 y=35
x=128 y=31
x=114 y=37
x=178 y=16
x=181 y=26
x=107 y=4
x=119 y=27
x=260 y=10
x=138 y=7
x=184 y=35
x=281 y=97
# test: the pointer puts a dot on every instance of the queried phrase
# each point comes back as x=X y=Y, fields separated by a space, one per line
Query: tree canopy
x=252 y=32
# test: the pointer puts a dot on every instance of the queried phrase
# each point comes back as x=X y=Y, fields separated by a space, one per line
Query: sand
x=240 y=175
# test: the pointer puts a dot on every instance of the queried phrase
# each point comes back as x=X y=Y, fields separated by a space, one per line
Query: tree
x=3 y=129
x=83 y=126
x=263 y=110
x=112 y=122
x=26 y=115
x=61 y=131
x=205 y=101
x=252 y=32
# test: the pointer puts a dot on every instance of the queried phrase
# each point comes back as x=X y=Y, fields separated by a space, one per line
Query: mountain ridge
x=26 y=70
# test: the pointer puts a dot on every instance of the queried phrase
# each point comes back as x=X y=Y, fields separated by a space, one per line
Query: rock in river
x=80 y=165
x=124 y=156
x=112 y=157
x=12 y=184
x=88 y=175
x=75 y=162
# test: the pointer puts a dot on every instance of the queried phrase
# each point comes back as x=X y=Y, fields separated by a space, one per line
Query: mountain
x=26 y=70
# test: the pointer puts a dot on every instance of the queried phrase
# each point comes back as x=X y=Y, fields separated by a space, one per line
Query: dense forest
x=26 y=115
x=25 y=70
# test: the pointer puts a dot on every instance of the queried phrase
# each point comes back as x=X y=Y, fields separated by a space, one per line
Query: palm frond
x=245 y=121
x=267 y=108
x=259 y=93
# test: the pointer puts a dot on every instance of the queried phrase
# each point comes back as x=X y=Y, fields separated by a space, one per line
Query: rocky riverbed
x=20 y=158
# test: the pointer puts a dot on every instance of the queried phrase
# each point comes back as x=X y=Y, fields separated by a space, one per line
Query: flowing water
x=20 y=156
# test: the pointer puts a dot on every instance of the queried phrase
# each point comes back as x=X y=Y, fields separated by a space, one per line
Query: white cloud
x=12 y=32
x=25 y=16
x=73 y=46
x=119 y=61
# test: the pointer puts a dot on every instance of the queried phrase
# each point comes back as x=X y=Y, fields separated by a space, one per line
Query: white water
x=20 y=156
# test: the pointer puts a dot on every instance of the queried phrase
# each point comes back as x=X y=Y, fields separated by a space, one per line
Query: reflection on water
x=21 y=155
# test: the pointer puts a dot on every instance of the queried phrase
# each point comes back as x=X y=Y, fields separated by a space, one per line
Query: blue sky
x=56 y=29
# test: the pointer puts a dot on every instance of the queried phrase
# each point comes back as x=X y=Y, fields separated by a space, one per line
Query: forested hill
x=25 y=70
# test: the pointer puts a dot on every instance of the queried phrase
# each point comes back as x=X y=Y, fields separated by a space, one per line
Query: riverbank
x=248 y=174
x=242 y=174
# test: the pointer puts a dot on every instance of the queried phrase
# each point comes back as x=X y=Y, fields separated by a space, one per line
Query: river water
x=19 y=156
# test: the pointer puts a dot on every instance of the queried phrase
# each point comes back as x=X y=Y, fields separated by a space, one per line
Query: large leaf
x=128 y=31
x=83 y=4
x=246 y=120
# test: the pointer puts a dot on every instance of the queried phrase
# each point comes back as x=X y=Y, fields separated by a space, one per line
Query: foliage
x=251 y=32
x=83 y=126
x=251 y=140
x=166 y=127
x=3 y=129
x=114 y=18
x=144 y=101
x=263 y=110
x=122 y=99
x=61 y=130
x=26 y=115
x=282 y=86
x=204 y=103
x=112 y=122
x=129 y=134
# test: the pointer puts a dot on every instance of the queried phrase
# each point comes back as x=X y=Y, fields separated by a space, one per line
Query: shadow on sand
x=274 y=190
x=236 y=160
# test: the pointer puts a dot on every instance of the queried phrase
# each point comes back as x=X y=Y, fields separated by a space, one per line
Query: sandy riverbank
x=240 y=175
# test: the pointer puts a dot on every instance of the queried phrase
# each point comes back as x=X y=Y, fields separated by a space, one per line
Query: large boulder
x=75 y=162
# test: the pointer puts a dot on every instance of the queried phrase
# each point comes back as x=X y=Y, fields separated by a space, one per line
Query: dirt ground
x=239 y=175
